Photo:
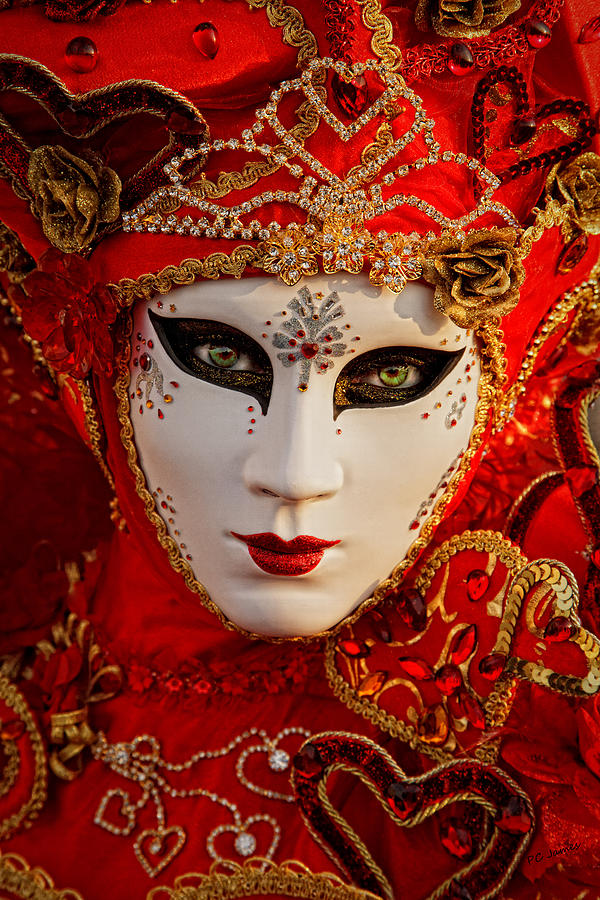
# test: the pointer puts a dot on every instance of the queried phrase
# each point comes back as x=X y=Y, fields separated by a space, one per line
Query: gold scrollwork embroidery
x=17 y=876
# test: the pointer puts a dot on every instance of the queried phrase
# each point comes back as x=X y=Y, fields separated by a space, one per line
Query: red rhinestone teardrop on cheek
x=309 y=351
x=206 y=39
x=81 y=54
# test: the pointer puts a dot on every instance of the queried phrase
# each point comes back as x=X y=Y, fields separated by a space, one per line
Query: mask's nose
x=295 y=454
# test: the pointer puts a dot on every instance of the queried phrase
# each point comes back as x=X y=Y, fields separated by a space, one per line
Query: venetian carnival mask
x=313 y=313
x=296 y=446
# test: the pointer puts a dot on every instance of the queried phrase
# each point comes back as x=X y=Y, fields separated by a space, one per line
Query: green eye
x=393 y=376
x=224 y=357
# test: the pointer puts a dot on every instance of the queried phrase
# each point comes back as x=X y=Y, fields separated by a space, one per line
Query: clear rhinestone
x=155 y=846
x=245 y=844
x=279 y=760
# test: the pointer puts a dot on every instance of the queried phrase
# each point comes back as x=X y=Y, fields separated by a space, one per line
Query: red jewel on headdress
x=523 y=131
x=462 y=645
x=81 y=54
x=404 y=798
x=351 y=96
x=590 y=31
x=538 y=33
x=461 y=59
x=308 y=762
x=206 y=39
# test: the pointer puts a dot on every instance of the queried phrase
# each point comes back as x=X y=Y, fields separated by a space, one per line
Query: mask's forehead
x=260 y=305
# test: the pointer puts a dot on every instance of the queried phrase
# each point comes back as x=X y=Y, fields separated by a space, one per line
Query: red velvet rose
x=69 y=314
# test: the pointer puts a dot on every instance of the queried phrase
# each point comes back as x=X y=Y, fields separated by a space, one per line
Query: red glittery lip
x=278 y=557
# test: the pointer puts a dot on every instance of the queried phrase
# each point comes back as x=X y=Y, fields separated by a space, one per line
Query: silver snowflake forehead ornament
x=310 y=338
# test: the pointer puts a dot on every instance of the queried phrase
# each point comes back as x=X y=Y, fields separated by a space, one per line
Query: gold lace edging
x=257 y=878
x=17 y=876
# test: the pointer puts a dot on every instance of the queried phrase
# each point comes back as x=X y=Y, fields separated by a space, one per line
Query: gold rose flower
x=578 y=186
x=475 y=277
x=463 y=18
x=72 y=196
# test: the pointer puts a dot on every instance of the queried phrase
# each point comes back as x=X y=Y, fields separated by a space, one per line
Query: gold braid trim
x=94 y=430
x=498 y=704
x=295 y=34
x=21 y=880
x=551 y=216
x=383 y=35
x=31 y=808
x=11 y=769
x=128 y=290
x=257 y=878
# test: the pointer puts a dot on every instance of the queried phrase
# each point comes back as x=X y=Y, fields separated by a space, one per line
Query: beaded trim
x=17 y=876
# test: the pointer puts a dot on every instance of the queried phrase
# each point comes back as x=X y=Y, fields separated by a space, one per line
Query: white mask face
x=295 y=439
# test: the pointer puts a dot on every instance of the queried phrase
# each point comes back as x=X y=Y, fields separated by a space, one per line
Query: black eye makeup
x=391 y=376
x=217 y=353
x=223 y=356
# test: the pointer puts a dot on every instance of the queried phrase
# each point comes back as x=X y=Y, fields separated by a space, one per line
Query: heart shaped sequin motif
x=278 y=760
x=409 y=801
x=156 y=848
x=114 y=817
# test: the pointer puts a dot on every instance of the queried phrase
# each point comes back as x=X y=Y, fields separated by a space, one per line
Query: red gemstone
x=81 y=54
x=471 y=710
x=559 y=629
x=538 y=33
x=462 y=645
x=582 y=479
x=355 y=649
x=183 y=120
x=477 y=584
x=514 y=817
x=590 y=31
x=161 y=414
x=523 y=131
x=572 y=253
x=595 y=557
x=416 y=667
x=308 y=762
x=448 y=679
x=206 y=39
x=461 y=59
x=12 y=730
x=352 y=97
x=411 y=608
x=404 y=798
x=145 y=362
x=309 y=350
x=371 y=684
x=456 y=839
x=492 y=666
x=433 y=725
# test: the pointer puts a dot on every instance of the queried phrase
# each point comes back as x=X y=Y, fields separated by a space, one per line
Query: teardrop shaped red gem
x=455 y=838
x=182 y=120
x=352 y=97
x=411 y=608
x=538 y=33
x=433 y=726
x=308 y=762
x=477 y=584
x=492 y=666
x=206 y=39
x=590 y=31
x=514 y=817
x=355 y=649
x=404 y=798
x=523 y=131
x=462 y=645
x=461 y=59
x=448 y=679
x=371 y=684
x=416 y=667
x=471 y=710
x=558 y=629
